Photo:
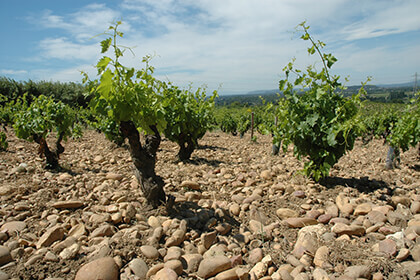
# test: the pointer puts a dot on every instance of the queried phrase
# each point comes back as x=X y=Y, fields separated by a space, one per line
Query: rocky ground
x=240 y=213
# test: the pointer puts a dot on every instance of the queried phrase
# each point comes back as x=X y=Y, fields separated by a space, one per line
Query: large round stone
x=103 y=268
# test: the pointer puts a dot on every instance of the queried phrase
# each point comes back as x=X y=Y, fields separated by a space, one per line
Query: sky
x=235 y=46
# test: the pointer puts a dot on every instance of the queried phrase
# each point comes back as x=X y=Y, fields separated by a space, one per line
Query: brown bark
x=144 y=161
x=51 y=156
x=186 y=148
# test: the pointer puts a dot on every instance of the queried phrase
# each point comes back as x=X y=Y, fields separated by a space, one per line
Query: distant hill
x=379 y=93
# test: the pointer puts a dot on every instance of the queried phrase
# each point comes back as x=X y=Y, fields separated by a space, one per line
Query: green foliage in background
x=188 y=115
x=43 y=116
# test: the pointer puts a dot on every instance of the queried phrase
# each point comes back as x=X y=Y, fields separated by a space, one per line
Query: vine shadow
x=211 y=147
x=200 y=161
x=198 y=217
x=362 y=184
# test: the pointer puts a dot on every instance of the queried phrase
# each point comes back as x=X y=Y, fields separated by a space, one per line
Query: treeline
x=373 y=93
x=70 y=93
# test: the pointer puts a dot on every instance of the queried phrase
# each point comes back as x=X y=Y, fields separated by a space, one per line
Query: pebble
x=175 y=265
x=50 y=236
x=5 y=256
x=69 y=204
x=342 y=229
x=192 y=261
x=12 y=227
x=166 y=273
x=149 y=252
x=285 y=213
x=213 y=265
x=190 y=185
x=388 y=246
x=138 y=267
x=103 y=268
x=300 y=222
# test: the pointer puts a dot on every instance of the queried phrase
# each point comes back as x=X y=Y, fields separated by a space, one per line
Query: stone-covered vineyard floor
x=240 y=213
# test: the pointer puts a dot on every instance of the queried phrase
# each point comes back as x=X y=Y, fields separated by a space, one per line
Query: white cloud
x=62 y=48
x=385 y=18
x=242 y=45
x=89 y=21
x=12 y=72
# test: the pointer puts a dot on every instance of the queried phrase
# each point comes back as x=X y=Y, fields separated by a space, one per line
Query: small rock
x=190 y=185
x=4 y=275
x=358 y=271
x=208 y=239
x=259 y=270
x=415 y=207
x=104 y=230
x=235 y=209
x=154 y=269
x=415 y=252
x=266 y=174
x=255 y=256
x=213 y=265
x=70 y=252
x=285 y=213
x=300 y=222
x=50 y=236
x=104 y=269
x=377 y=276
x=388 y=246
x=400 y=200
x=139 y=268
x=321 y=256
x=166 y=274
x=341 y=229
x=376 y=217
x=175 y=265
x=114 y=176
x=173 y=253
x=192 y=261
x=324 y=218
x=362 y=209
x=149 y=252
x=69 y=204
x=11 y=227
x=320 y=274
x=403 y=254
x=5 y=256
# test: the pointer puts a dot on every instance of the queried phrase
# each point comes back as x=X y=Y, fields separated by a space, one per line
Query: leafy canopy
x=123 y=93
x=41 y=117
x=314 y=116
x=188 y=114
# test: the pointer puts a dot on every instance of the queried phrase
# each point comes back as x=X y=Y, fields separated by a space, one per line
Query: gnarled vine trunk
x=144 y=161
x=186 y=148
x=51 y=156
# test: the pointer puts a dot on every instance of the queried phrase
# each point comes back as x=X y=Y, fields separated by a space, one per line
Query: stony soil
x=240 y=213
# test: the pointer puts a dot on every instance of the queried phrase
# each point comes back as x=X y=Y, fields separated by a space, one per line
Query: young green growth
x=317 y=119
x=36 y=121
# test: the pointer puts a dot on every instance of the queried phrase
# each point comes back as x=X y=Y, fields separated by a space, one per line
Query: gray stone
x=139 y=268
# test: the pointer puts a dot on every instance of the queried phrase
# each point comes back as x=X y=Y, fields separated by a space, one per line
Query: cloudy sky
x=237 y=45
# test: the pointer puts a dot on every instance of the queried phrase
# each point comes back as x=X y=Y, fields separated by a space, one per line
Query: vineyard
x=144 y=179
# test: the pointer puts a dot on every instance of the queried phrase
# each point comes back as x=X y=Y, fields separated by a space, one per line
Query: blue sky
x=235 y=45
